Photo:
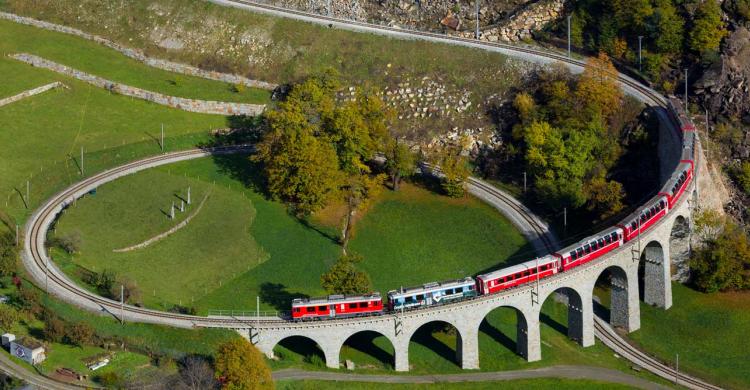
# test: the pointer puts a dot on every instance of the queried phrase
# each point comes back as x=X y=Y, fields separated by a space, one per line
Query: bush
x=239 y=365
x=238 y=88
x=27 y=298
x=128 y=288
x=8 y=254
x=344 y=277
x=70 y=242
x=109 y=379
x=723 y=264
x=741 y=175
x=8 y=317
x=79 y=334
x=54 y=330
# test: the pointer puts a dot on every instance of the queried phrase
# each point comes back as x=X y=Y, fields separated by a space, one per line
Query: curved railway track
x=37 y=262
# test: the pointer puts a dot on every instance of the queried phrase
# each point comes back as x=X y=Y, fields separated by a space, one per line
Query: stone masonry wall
x=519 y=26
x=31 y=92
x=138 y=55
x=192 y=105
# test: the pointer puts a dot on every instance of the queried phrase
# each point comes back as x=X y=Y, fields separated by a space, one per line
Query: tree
x=359 y=190
x=8 y=317
x=8 y=254
x=667 y=27
x=129 y=289
x=400 y=162
x=724 y=262
x=708 y=28
x=598 y=87
x=240 y=366
x=79 y=334
x=196 y=374
x=604 y=197
x=54 y=329
x=70 y=242
x=344 y=278
x=455 y=172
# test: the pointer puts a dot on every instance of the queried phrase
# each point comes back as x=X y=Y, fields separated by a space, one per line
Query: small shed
x=7 y=338
x=27 y=349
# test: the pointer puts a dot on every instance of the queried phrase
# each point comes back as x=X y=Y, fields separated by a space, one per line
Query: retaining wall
x=140 y=56
x=31 y=92
x=192 y=105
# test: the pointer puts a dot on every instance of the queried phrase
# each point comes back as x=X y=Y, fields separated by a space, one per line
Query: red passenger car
x=591 y=248
x=645 y=217
x=518 y=274
x=337 y=306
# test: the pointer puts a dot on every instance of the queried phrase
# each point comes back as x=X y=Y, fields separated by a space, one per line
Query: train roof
x=518 y=267
x=588 y=239
x=637 y=213
x=335 y=299
x=433 y=286
x=671 y=185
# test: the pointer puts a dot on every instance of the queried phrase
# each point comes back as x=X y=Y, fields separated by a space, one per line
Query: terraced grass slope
x=91 y=57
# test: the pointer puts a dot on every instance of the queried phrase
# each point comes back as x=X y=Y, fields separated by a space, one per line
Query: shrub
x=344 y=277
x=109 y=379
x=70 y=242
x=54 y=330
x=8 y=317
x=239 y=365
x=27 y=299
x=741 y=175
x=8 y=254
x=128 y=288
x=238 y=88
x=79 y=334
x=724 y=262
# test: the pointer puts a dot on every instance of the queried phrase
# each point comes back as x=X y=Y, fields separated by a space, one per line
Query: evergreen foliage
x=723 y=263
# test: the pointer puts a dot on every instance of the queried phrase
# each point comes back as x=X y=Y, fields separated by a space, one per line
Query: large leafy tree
x=400 y=162
x=723 y=263
x=708 y=28
x=344 y=278
x=667 y=27
x=240 y=366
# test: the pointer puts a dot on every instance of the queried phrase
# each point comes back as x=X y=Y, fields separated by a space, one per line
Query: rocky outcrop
x=138 y=55
x=725 y=86
x=520 y=25
x=192 y=105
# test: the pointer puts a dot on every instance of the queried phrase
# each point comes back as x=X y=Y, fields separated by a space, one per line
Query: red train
x=580 y=253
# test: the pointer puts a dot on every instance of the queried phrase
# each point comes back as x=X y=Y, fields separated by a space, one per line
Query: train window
x=573 y=255
x=579 y=252
x=420 y=297
x=322 y=308
x=608 y=240
x=310 y=309
x=471 y=288
x=362 y=305
x=601 y=243
x=449 y=291
x=614 y=236
x=352 y=305
x=633 y=226
x=587 y=248
x=296 y=310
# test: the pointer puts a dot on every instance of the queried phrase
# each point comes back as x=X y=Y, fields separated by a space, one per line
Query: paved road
x=568 y=372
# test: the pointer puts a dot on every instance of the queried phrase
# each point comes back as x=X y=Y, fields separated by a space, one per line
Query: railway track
x=37 y=262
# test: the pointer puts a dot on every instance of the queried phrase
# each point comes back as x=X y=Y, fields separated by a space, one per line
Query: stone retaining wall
x=192 y=105
x=519 y=26
x=140 y=56
x=31 y=92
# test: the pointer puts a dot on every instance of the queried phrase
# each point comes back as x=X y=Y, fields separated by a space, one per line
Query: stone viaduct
x=649 y=255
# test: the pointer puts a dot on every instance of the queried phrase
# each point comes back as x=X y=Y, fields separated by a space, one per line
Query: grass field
x=525 y=384
x=91 y=57
x=242 y=245
x=708 y=331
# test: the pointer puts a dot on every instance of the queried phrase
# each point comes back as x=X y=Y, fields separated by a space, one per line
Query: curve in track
x=37 y=262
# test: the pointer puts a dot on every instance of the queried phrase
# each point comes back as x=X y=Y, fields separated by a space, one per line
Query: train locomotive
x=578 y=254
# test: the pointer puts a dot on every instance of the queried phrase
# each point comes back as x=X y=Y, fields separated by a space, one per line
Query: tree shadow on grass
x=364 y=342
x=425 y=337
x=276 y=295
x=239 y=167
x=497 y=335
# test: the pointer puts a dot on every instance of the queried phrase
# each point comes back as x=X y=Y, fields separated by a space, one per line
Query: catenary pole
x=569 y=35
x=640 y=56
x=477 y=27
x=686 y=90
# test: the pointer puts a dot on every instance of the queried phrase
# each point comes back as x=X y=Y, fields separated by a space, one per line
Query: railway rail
x=37 y=262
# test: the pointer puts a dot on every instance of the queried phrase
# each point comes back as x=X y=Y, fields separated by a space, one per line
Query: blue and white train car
x=431 y=294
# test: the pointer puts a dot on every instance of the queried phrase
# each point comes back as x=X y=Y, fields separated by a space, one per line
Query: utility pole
x=171 y=211
x=328 y=8
x=27 y=193
x=477 y=32
x=16 y=234
x=182 y=206
x=81 y=160
x=569 y=35
x=122 y=304
x=565 y=217
x=46 y=275
x=162 y=137
x=188 y=199
x=524 y=181
x=677 y=369
x=686 y=90
x=640 y=57
x=257 y=310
